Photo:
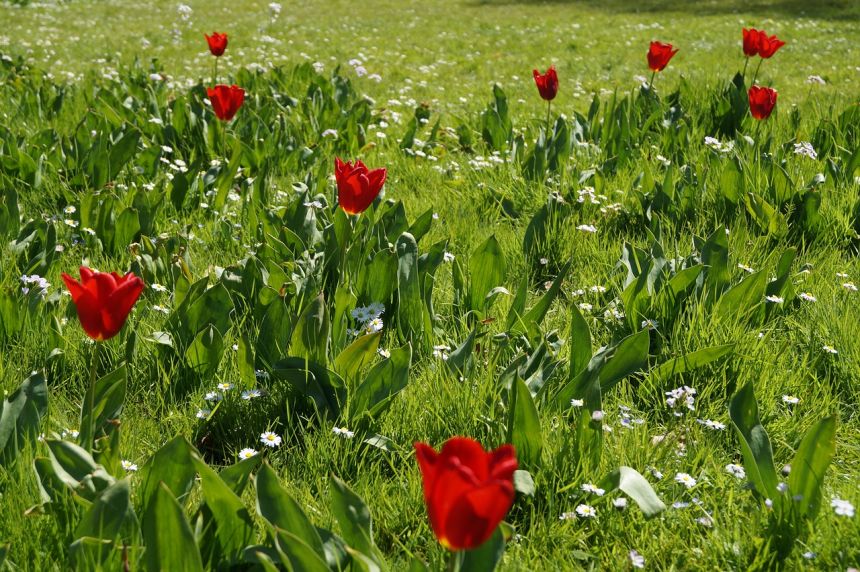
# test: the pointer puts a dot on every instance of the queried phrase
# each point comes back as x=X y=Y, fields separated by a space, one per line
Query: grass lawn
x=736 y=257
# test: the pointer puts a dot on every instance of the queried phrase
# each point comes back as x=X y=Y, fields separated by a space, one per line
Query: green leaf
x=754 y=442
x=245 y=359
x=524 y=430
x=312 y=381
x=237 y=475
x=167 y=536
x=170 y=465
x=204 y=354
x=715 y=257
x=810 y=464
x=524 y=483
x=691 y=361
x=486 y=557
x=461 y=356
x=21 y=416
x=234 y=527
x=297 y=555
x=356 y=523
x=310 y=336
x=634 y=485
x=385 y=380
x=580 y=342
x=631 y=355
x=281 y=511
x=487 y=269
x=410 y=305
x=107 y=514
x=356 y=355
x=742 y=300
x=108 y=395
x=537 y=313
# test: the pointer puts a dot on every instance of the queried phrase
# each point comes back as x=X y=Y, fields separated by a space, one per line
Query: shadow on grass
x=824 y=9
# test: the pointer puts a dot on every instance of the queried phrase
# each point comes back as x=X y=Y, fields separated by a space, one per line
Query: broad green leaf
x=245 y=359
x=281 y=511
x=297 y=555
x=743 y=299
x=204 y=354
x=754 y=442
x=310 y=336
x=631 y=355
x=234 y=526
x=537 y=312
x=237 y=475
x=107 y=514
x=356 y=523
x=170 y=465
x=314 y=382
x=356 y=355
x=107 y=397
x=410 y=305
x=461 y=356
x=810 y=464
x=167 y=536
x=580 y=342
x=524 y=430
x=486 y=557
x=21 y=416
x=634 y=485
x=488 y=269
x=691 y=361
x=385 y=380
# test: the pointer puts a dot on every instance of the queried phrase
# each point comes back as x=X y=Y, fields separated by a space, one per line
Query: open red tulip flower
x=226 y=100
x=217 y=43
x=357 y=186
x=547 y=83
x=468 y=491
x=768 y=45
x=762 y=101
x=103 y=300
x=659 y=55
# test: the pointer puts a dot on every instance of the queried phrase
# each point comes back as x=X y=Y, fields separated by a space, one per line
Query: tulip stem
x=746 y=65
x=548 y=108
x=455 y=562
x=758 y=67
x=215 y=75
x=90 y=401
x=651 y=82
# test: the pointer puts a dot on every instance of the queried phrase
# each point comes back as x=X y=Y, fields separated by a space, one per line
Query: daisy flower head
x=686 y=480
x=270 y=439
x=128 y=466
x=590 y=488
x=247 y=453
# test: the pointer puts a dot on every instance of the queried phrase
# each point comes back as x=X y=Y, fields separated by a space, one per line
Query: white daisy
x=247 y=453
x=270 y=439
x=686 y=480
x=586 y=511
x=128 y=466
x=736 y=471
x=589 y=488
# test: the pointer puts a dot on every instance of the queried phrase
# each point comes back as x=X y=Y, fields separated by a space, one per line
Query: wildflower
x=586 y=511
x=775 y=299
x=830 y=350
x=212 y=396
x=842 y=507
x=158 y=287
x=587 y=228
x=249 y=394
x=247 y=453
x=203 y=413
x=636 y=559
x=373 y=326
x=567 y=516
x=448 y=257
x=343 y=432
x=384 y=353
x=790 y=400
x=597 y=415
x=577 y=402
x=736 y=471
x=685 y=395
x=715 y=425
x=655 y=473
x=678 y=505
x=620 y=503
x=128 y=466
x=686 y=480
x=224 y=386
x=270 y=439
x=589 y=488
x=850 y=286
x=816 y=79
x=809 y=555
x=441 y=352
x=217 y=43
x=806 y=149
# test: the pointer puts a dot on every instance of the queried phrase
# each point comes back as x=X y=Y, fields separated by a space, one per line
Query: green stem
x=548 y=108
x=455 y=562
x=651 y=81
x=90 y=400
x=758 y=67
x=746 y=65
x=215 y=74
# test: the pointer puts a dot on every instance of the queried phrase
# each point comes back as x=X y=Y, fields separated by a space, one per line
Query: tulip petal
x=76 y=289
x=473 y=517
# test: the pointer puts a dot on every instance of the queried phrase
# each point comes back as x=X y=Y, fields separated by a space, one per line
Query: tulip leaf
x=21 y=416
x=754 y=442
x=356 y=523
x=810 y=464
x=234 y=526
x=488 y=270
x=580 y=342
x=107 y=514
x=524 y=430
x=410 y=306
x=204 y=354
x=356 y=355
x=691 y=361
x=312 y=381
x=385 y=380
x=487 y=556
x=171 y=466
x=167 y=536
x=537 y=313
x=310 y=335
x=107 y=396
x=281 y=511
x=297 y=555
x=635 y=486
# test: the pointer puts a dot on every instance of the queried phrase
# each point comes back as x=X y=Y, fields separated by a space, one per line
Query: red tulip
x=659 y=55
x=751 y=42
x=547 y=83
x=762 y=101
x=356 y=185
x=103 y=300
x=217 y=43
x=467 y=491
x=767 y=46
x=226 y=100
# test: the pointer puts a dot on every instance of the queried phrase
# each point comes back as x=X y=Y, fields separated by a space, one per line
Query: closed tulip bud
x=357 y=186
x=217 y=43
x=547 y=83
x=103 y=300
x=762 y=101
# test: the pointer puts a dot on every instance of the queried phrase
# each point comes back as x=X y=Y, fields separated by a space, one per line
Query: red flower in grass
x=103 y=300
x=768 y=45
x=468 y=491
x=547 y=83
x=659 y=55
x=762 y=101
x=356 y=185
x=226 y=100
x=751 y=43
x=217 y=43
